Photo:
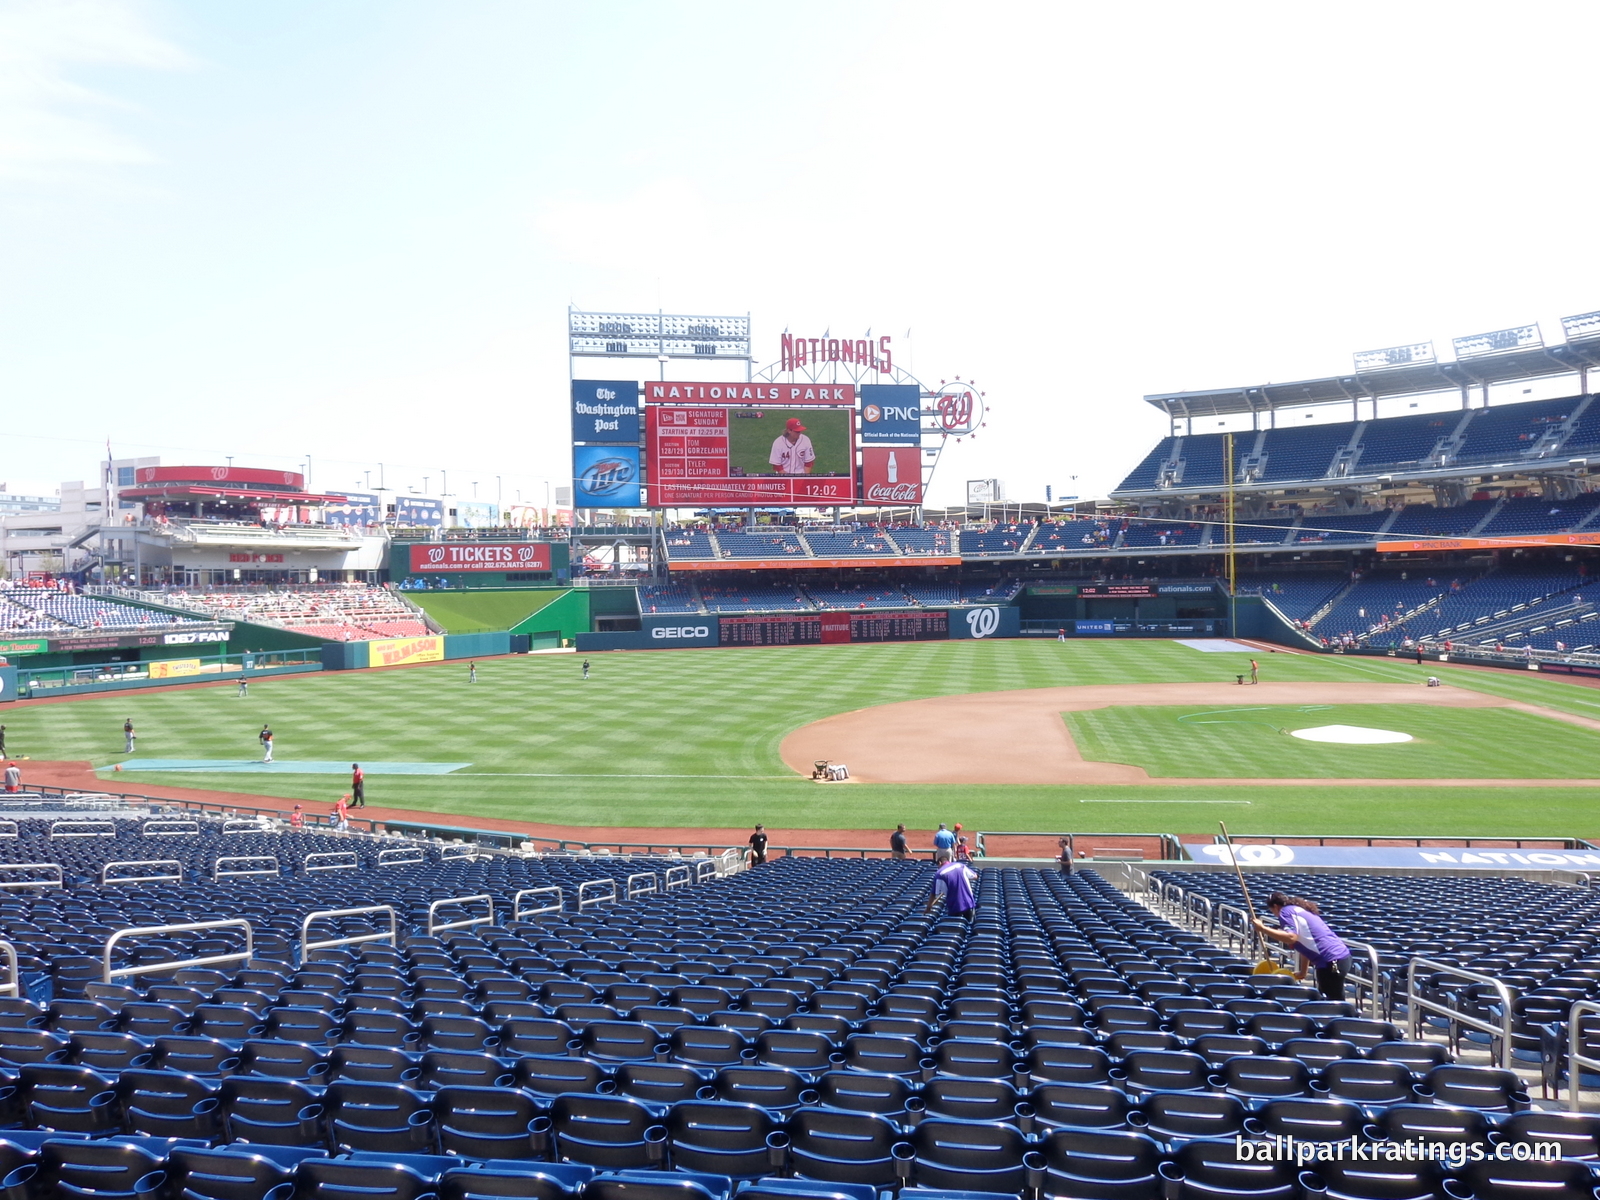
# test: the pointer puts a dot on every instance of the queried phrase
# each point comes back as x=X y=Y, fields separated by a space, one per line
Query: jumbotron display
x=751 y=456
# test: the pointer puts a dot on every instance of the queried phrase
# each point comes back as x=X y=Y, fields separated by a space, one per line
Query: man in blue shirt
x=944 y=844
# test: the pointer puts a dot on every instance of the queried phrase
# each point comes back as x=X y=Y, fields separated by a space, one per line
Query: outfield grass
x=690 y=738
x=1252 y=741
x=475 y=612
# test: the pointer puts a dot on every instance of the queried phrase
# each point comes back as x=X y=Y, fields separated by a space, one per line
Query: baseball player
x=791 y=450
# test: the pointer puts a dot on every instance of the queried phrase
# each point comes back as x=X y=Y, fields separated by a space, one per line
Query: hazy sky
x=351 y=228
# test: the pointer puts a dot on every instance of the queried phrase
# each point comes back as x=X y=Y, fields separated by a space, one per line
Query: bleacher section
x=1202 y=459
x=860 y=595
x=1326 y=528
x=1157 y=532
x=667 y=598
x=1377 y=595
x=1296 y=596
x=1534 y=514
x=925 y=540
x=1425 y=520
x=689 y=544
x=1304 y=453
x=801 y=1031
x=997 y=539
x=1509 y=431
x=1255 y=531
x=760 y=543
x=32 y=609
x=1056 y=537
x=340 y=613
x=865 y=543
x=752 y=597
x=1145 y=476
x=1402 y=443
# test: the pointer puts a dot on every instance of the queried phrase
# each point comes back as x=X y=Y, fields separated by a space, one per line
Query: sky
x=349 y=230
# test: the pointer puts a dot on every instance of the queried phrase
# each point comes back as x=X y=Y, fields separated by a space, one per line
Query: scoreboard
x=835 y=628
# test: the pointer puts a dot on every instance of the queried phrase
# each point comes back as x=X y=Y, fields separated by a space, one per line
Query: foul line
x=572 y=775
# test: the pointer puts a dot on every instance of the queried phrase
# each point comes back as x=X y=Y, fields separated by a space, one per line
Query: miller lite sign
x=891 y=475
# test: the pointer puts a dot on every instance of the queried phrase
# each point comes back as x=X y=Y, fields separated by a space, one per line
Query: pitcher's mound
x=1350 y=735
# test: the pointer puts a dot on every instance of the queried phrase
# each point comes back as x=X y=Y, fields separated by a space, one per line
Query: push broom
x=1266 y=966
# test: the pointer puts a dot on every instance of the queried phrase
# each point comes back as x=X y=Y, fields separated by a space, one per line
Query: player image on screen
x=791 y=452
x=788 y=442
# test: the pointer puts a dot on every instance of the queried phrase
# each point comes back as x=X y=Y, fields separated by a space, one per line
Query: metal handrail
x=676 y=877
x=245 y=827
x=58 y=881
x=416 y=856
x=642 y=889
x=175 y=828
x=14 y=832
x=434 y=928
x=1239 y=932
x=1416 y=1004
x=244 y=955
x=1575 y=1059
x=148 y=862
x=348 y=861
x=1201 y=921
x=446 y=853
x=13 y=986
x=1374 y=981
x=610 y=892
x=518 y=912
x=704 y=869
x=307 y=946
x=87 y=828
x=237 y=867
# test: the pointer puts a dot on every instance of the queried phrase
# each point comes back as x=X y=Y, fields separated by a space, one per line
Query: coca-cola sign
x=891 y=474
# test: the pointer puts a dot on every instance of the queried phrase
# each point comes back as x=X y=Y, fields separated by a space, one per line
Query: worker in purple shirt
x=952 y=883
x=1319 y=946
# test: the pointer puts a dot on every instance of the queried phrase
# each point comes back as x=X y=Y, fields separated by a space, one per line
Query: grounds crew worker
x=1319 y=946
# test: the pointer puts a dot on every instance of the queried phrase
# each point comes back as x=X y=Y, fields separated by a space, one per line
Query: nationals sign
x=482 y=556
x=749 y=393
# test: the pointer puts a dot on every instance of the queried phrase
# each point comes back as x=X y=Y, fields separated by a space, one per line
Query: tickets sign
x=397 y=652
x=481 y=556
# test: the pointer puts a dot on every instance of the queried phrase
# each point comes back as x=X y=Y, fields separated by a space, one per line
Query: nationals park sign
x=481 y=556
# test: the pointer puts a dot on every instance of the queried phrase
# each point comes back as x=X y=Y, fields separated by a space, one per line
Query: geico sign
x=681 y=631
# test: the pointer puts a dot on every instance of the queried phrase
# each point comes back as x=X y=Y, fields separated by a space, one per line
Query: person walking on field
x=944 y=844
x=244 y=687
x=358 y=786
x=472 y=672
x=1320 y=948
x=586 y=668
x=128 y=736
x=757 y=854
x=897 y=843
x=952 y=883
x=1255 y=669
x=265 y=738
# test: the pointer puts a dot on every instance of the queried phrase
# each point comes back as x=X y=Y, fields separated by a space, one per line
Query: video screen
x=756 y=456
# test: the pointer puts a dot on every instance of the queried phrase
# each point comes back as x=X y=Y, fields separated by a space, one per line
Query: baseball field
x=1147 y=736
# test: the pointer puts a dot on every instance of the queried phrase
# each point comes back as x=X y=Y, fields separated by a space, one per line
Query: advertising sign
x=358 y=510
x=1394 y=856
x=477 y=514
x=815 y=629
x=605 y=410
x=1094 y=627
x=679 y=629
x=891 y=414
x=194 y=637
x=173 y=668
x=481 y=556
x=751 y=456
x=419 y=510
x=236 y=476
x=672 y=392
x=606 y=477
x=8 y=684
x=891 y=475
x=395 y=652
x=24 y=646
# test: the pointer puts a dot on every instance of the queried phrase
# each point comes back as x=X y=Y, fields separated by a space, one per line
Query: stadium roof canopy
x=1414 y=379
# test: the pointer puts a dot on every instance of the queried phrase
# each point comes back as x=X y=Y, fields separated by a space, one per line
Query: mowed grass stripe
x=693 y=714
